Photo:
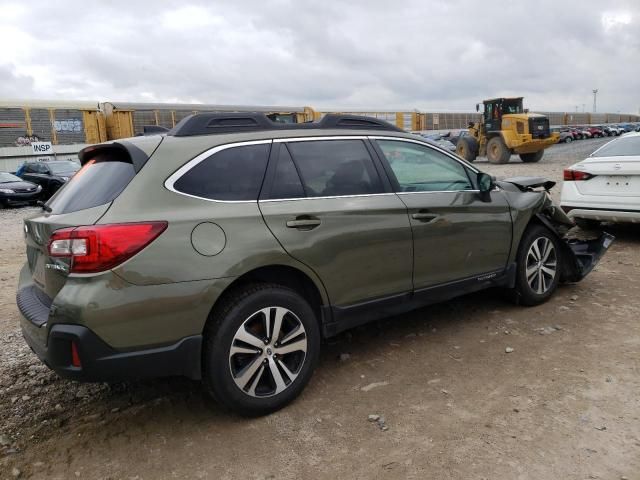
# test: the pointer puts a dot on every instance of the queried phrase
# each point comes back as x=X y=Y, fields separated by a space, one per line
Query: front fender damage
x=579 y=256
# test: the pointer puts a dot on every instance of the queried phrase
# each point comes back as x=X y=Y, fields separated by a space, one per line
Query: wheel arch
x=301 y=282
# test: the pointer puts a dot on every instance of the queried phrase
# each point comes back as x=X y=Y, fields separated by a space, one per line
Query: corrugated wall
x=9 y=134
x=164 y=118
x=555 y=118
x=577 y=118
x=180 y=114
x=449 y=120
x=142 y=118
x=41 y=124
x=69 y=127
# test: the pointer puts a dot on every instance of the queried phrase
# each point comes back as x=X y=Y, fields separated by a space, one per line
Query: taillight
x=96 y=248
x=576 y=175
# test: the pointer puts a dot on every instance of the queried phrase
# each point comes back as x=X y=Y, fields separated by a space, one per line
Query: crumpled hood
x=526 y=183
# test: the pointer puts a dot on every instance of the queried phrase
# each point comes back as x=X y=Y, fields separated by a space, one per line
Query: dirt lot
x=564 y=404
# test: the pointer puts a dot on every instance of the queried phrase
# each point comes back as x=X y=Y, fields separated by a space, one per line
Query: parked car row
x=35 y=181
x=569 y=134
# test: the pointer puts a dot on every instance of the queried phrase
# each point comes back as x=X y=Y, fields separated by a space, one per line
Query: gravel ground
x=471 y=388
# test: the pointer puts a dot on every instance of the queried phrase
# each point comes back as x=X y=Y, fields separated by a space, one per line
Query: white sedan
x=605 y=187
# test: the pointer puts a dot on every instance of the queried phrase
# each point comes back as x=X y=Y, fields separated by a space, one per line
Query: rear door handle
x=424 y=216
x=303 y=223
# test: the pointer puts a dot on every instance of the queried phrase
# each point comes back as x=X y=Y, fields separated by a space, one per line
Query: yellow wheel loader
x=507 y=129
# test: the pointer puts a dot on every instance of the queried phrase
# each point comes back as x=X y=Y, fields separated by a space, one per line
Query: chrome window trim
x=426 y=144
x=169 y=183
x=325 y=198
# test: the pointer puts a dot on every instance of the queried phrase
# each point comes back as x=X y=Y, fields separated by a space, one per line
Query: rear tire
x=497 y=151
x=538 y=265
x=467 y=148
x=568 y=140
x=532 y=157
x=260 y=349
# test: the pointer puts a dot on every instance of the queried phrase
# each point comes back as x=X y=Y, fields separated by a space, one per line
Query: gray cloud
x=356 y=54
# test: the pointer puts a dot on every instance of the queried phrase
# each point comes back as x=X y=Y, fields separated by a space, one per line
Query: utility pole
x=595 y=94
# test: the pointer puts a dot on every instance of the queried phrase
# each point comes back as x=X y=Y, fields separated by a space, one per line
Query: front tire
x=538 y=265
x=261 y=348
x=497 y=151
x=532 y=157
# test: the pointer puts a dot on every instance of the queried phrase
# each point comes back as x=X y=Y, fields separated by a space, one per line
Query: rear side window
x=335 y=167
x=235 y=173
x=99 y=181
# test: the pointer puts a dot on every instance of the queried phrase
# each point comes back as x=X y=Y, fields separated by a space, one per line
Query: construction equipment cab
x=507 y=129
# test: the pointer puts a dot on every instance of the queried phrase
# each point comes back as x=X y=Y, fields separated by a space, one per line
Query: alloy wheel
x=268 y=351
x=542 y=265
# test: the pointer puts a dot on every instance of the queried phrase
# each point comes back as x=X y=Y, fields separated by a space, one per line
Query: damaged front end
x=580 y=256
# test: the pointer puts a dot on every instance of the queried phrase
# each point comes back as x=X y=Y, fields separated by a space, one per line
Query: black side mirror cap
x=486 y=182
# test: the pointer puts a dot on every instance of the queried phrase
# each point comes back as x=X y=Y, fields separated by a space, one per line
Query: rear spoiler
x=136 y=156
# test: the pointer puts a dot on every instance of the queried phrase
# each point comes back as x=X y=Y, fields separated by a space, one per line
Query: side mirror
x=485 y=182
x=477 y=107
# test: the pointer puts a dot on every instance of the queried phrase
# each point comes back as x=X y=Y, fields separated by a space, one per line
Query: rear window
x=232 y=174
x=98 y=182
x=624 y=146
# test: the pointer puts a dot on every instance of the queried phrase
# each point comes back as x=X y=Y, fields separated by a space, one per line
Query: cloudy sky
x=413 y=54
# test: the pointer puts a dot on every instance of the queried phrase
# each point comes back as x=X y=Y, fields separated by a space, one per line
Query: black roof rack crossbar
x=213 y=123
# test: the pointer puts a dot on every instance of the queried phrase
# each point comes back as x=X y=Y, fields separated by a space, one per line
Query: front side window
x=421 y=169
x=335 y=167
x=235 y=173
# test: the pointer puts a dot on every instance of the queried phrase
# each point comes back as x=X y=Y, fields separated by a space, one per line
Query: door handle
x=303 y=223
x=424 y=216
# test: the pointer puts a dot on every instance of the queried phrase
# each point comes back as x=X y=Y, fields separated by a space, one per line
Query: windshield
x=512 y=106
x=59 y=168
x=624 y=146
x=8 y=177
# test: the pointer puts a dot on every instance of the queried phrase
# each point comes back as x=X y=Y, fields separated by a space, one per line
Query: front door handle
x=303 y=223
x=424 y=216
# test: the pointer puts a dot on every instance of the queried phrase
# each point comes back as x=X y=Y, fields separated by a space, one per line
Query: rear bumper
x=99 y=361
x=616 y=216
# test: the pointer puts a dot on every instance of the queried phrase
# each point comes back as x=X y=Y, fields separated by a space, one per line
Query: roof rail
x=214 y=123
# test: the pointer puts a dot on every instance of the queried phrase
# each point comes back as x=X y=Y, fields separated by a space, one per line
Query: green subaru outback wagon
x=228 y=248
